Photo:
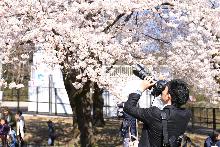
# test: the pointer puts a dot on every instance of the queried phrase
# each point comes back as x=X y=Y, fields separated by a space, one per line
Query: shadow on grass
x=37 y=130
x=66 y=135
x=108 y=136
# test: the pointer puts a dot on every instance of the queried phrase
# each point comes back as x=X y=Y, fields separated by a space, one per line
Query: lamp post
x=18 y=99
x=50 y=92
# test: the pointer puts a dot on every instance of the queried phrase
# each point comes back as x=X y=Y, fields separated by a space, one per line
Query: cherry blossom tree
x=191 y=54
x=86 y=38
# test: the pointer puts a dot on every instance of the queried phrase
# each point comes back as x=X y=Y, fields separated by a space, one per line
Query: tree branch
x=157 y=39
x=109 y=68
x=129 y=16
x=110 y=25
x=55 y=32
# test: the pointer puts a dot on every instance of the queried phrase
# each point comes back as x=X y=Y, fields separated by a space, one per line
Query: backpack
x=124 y=127
x=182 y=141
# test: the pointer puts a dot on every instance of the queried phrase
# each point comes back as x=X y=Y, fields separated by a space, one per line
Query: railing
x=201 y=116
x=205 y=117
x=39 y=99
x=49 y=100
x=15 y=94
x=122 y=69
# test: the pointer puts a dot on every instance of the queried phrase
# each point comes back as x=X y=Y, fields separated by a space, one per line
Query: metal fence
x=15 y=94
x=18 y=98
x=206 y=117
x=33 y=100
x=50 y=100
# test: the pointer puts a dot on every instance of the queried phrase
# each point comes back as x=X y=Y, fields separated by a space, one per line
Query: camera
x=141 y=72
x=159 y=87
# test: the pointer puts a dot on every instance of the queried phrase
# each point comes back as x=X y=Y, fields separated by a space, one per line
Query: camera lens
x=139 y=71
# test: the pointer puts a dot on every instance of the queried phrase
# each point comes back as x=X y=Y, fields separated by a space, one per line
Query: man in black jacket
x=174 y=95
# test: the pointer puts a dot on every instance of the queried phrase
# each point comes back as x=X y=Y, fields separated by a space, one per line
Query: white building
x=47 y=92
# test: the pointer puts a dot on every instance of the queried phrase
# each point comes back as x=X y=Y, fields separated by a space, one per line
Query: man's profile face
x=165 y=95
x=218 y=137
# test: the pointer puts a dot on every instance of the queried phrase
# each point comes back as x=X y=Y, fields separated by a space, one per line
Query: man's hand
x=146 y=83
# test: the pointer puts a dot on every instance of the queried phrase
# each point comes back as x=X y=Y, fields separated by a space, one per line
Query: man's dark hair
x=19 y=112
x=179 y=91
x=214 y=135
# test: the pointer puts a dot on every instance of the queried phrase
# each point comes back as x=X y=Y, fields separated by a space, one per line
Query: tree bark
x=84 y=118
x=81 y=104
x=98 y=103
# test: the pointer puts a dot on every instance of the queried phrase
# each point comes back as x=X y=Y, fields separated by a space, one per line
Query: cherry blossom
x=91 y=36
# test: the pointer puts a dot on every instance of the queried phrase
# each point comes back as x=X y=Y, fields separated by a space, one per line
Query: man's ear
x=169 y=95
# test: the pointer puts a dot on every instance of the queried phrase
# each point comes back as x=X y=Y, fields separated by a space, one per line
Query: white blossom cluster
x=14 y=85
x=87 y=37
x=3 y=83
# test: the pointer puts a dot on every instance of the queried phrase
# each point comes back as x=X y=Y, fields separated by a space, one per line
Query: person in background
x=8 y=115
x=12 y=138
x=128 y=129
x=4 y=130
x=51 y=133
x=20 y=126
x=1 y=112
x=213 y=139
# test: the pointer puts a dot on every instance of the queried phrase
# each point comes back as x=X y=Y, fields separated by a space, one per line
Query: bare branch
x=112 y=24
x=157 y=39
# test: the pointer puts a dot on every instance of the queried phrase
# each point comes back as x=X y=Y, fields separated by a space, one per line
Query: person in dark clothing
x=174 y=95
x=9 y=116
x=213 y=139
x=128 y=129
x=51 y=133
x=4 y=130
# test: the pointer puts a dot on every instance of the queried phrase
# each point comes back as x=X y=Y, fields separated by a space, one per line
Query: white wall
x=40 y=78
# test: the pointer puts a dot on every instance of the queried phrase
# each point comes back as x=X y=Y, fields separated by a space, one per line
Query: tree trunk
x=70 y=92
x=84 y=118
x=98 y=103
x=81 y=103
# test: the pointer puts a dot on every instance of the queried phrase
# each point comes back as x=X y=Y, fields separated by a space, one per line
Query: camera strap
x=164 y=126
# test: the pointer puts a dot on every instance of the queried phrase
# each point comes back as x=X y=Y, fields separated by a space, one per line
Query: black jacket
x=178 y=119
x=128 y=124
